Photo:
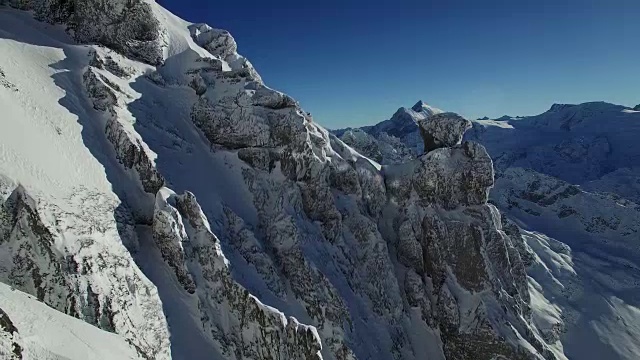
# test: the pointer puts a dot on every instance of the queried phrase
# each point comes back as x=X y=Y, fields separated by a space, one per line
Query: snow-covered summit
x=405 y=119
x=391 y=141
x=424 y=108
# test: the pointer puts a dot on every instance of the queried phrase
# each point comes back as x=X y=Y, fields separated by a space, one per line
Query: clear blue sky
x=354 y=62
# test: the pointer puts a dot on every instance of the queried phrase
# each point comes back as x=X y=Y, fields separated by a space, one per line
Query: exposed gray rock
x=374 y=193
x=10 y=347
x=36 y=268
x=344 y=177
x=443 y=130
x=417 y=296
x=126 y=26
x=243 y=240
x=169 y=234
x=218 y=42
x=6 y=83
x=410 y=252
x=259 y=158
x=101 y=95
x=87 y=279
x=452 y=177
x=513 y=231
x=129 y=149
x=133 y=156
x=248 y=329
x=321 y=300
x=322 y=230
x=273 y=99
x=448 y=234
x=364 y=143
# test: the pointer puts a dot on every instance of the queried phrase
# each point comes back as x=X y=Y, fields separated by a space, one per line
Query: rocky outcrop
x=262 y=118
x=35 y=267
x=394 y=141
x=87 y=279
x=246 y=243
x=128 y=27
x=449 y=239
x=217 y=41
x=443 y=130
x=129 y=150
x=452 y=177
x=283 y=238
x=110 y=64
x=220 y=43
x=456 y=252
x=364 y=143
x=10 y=347
x=238 y=322
x=169 y=234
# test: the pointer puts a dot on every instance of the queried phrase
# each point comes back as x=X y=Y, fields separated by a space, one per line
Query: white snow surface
x=46 y=334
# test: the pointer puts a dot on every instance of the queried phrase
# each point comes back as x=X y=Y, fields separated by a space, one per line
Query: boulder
x=443 y=130
x=453 y=177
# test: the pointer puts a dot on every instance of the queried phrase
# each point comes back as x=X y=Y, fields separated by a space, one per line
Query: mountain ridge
x=185 y=206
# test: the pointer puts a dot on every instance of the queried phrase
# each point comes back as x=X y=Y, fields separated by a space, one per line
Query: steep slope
x=585 y=256
x=183 y=205
x=64 y=230
x=70 y=229
x=31 y=330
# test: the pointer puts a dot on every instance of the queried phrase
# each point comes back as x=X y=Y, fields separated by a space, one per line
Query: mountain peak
x=421 y=106
x=418 y=106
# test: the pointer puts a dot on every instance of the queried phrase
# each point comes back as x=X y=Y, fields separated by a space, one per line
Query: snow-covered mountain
x=155 y=188
x=391 y=141
x=592 y=144
x=567 y=183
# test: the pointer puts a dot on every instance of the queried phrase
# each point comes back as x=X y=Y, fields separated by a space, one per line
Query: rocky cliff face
x=444 y=194
x=237 y=321
x=10 y=347
x=69 y=262
x=298 y=246
x=569 y=178
x=459 y=261
x=128 y=27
